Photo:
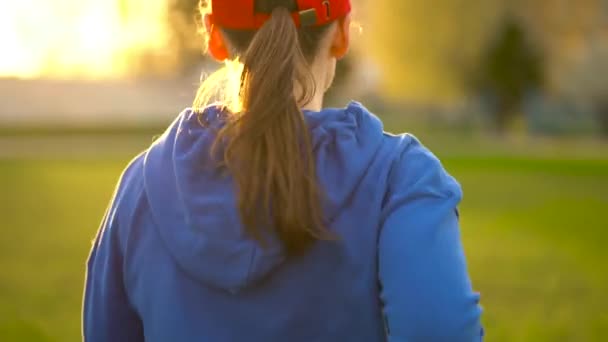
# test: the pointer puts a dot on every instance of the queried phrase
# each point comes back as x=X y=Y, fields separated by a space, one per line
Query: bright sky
x=77 y=38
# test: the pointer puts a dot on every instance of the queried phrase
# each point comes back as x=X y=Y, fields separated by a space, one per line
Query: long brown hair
x=265 y=143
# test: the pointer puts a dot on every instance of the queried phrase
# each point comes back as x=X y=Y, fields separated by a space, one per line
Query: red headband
x=240 y=14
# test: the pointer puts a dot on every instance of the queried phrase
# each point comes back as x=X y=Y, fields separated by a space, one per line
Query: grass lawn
x=534 y=229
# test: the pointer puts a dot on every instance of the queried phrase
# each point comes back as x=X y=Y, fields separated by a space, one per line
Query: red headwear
x=241 y=14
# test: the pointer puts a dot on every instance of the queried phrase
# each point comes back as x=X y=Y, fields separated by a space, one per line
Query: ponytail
x=267 y=147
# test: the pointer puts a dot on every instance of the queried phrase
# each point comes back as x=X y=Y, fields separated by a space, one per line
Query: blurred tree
x=510 y=68
x=426 y=49
x=440 y=51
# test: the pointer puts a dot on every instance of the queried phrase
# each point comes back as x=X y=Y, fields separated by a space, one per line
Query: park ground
x=534 y=226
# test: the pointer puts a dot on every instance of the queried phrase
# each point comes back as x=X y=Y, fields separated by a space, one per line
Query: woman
x=264 y=217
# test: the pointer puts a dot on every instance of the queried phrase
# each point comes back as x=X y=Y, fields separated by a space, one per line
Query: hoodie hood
x=193 y=205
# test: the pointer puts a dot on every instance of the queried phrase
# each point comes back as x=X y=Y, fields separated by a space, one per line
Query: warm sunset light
x=78 y=38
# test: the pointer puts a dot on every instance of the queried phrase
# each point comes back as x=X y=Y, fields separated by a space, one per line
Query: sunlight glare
x=78 y=38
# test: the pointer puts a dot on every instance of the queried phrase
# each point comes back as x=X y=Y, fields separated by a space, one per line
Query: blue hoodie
x=171 y=261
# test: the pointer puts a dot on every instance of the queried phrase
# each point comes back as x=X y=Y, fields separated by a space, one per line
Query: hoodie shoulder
x=134 y=168
x=416 y=171
x=120 y=207
x=130 y=181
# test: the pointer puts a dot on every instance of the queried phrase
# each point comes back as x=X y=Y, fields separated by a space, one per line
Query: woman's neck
x=316 y=103
x=323 y=74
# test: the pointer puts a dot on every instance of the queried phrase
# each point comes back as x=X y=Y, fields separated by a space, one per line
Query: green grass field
x=535 y=231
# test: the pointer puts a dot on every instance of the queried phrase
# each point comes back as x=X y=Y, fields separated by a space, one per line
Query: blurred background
x=512 y=95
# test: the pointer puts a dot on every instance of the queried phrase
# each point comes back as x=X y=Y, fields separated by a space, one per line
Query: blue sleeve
x=107 y=313
x=425 y=287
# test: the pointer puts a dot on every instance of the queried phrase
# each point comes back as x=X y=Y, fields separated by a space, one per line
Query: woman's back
x=178 y=265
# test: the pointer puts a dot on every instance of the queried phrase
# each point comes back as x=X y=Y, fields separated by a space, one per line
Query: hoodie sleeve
x=107 y=313
x=425 y=286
